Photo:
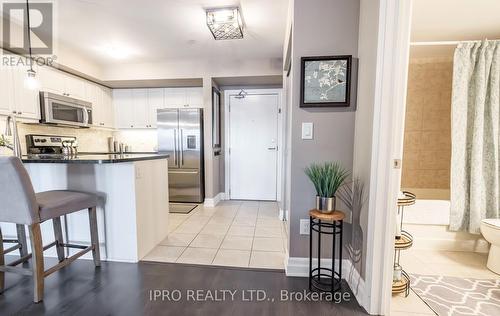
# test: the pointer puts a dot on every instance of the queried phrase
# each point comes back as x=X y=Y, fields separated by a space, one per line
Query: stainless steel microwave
x=62 y=110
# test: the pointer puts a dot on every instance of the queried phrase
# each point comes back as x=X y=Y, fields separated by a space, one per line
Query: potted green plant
x=327 y=178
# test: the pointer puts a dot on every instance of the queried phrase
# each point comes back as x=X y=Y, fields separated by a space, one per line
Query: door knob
x=271 y=148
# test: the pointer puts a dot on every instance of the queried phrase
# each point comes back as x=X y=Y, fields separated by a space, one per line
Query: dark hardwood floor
x=126 y=289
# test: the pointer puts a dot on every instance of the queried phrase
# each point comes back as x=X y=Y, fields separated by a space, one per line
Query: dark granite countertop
x=92 y=158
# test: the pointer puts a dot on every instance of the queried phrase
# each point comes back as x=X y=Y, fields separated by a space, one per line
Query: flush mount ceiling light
x=116 y=51
x=225 y=23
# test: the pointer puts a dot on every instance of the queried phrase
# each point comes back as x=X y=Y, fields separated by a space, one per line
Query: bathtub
x=428 y=220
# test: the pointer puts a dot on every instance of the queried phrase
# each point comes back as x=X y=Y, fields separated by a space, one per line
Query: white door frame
x=227 y=125
x=387 y=147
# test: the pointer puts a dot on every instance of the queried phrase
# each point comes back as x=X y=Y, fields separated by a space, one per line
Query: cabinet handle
x=14 y=112
x=19 y=113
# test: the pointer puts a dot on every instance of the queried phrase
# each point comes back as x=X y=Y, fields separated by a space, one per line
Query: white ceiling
x=151 y=31
x=453 y=20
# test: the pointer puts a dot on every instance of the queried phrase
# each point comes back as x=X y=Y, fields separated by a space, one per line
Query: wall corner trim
x=299 y=267
x=212 y=202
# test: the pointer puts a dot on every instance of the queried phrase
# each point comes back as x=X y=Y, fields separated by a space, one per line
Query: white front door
x=253 y=143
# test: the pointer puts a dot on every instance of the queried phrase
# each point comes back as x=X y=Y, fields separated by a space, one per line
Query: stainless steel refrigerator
x=180 y=134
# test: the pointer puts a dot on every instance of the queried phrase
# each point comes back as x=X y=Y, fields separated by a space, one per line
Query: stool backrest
x=17 y=197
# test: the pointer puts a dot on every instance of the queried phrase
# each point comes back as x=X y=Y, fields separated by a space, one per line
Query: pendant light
x=30 y=81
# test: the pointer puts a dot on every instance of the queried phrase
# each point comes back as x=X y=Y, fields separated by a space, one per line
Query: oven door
x=65 y=113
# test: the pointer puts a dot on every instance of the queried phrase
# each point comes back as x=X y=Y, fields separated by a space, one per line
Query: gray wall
x=368 y=41
x=320 y=27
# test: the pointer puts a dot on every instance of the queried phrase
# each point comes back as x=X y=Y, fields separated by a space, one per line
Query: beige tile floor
x=446 y=263
x=234 y=233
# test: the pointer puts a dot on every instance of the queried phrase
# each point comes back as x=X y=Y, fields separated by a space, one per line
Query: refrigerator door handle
x=175 y=147
x=182 y=147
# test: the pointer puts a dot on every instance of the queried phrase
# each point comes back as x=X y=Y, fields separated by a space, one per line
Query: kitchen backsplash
x=90 y=140
x=139 y=140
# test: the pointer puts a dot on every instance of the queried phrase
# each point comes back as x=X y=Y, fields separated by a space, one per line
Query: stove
x=48 y=145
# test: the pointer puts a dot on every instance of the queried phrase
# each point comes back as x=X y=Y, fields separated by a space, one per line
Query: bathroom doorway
x=435 y=254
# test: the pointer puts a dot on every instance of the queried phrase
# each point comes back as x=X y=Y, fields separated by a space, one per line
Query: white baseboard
x=212 y=202
x=299 y=267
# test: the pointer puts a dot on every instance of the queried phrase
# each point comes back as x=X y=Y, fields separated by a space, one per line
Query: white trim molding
x=299 y=267
x=212 y=202
x=388 y=123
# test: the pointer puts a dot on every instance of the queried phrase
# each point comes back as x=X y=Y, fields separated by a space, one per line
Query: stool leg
x=310 y=251
x=58 y=235
x=21 y=239
x=94 y=236
x=2 y=263
x=37 y=253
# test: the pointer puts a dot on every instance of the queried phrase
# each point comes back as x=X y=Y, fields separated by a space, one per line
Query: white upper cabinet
x=6 y=90
x=26 y=102
x=141 y=110
x=75 y=87
x=55 y=81
x=109 y=111
x=175 y=97
x=156 y=101
x=184 y=97
x=124 y=108
x=136 y=108
x=103 y=114
x=194 y=97
x=51 y=80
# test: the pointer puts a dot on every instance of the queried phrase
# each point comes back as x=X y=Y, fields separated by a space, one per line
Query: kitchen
x=123 y=117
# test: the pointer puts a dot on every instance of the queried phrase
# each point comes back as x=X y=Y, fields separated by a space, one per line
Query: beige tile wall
x=427 y=142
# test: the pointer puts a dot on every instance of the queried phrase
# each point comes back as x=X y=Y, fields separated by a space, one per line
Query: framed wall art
x=325 y=81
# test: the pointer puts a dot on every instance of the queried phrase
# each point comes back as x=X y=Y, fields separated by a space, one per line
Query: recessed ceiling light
x=225 y=23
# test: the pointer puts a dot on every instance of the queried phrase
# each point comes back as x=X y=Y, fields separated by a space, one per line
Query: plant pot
x=325 y=204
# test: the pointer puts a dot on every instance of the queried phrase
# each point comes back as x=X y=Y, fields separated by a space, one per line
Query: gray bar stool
x=20 y=205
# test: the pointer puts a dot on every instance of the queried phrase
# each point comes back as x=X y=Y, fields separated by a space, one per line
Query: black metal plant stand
x=326 y=279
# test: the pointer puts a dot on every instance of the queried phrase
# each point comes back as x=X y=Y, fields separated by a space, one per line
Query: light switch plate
x=307 y=130
x=304 y=227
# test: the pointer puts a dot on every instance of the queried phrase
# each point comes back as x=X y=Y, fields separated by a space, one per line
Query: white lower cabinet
x=137 y=108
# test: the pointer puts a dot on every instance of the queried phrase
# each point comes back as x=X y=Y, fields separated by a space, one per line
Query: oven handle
x=85 y=116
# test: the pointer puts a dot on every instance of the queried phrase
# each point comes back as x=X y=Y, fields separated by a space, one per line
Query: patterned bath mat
x=449 y=296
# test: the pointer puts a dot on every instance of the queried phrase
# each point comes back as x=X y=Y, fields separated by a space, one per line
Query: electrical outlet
x=304 y=226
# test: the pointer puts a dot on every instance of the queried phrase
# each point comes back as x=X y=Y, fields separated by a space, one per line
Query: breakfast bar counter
x=92 y=158
x=133 y=206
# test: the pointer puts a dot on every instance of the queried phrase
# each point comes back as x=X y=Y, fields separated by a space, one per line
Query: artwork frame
x=216 y=121
x=316 y=77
